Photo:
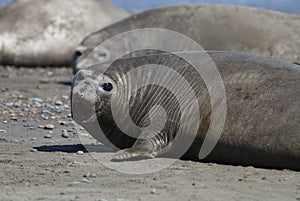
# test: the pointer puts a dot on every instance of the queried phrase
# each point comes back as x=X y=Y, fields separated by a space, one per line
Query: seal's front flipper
x=142 y=149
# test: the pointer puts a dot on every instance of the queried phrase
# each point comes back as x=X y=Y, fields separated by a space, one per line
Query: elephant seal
x=214 y=27
x=46 y=32
x=262 y=126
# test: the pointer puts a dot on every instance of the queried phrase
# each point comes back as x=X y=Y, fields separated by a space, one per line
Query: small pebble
x=49 y=127
x=80 y=152
x=50 y=73
x=73 y=183
x=58 y=103
x=5 y=122
x=16 y=105
x=86 y=181
x=14 y=118
x=9 y=104
x=41 y=126
x=48 y=136
x=4 y=89
x=66 y=123
x=26 y=110
x=37 y=104
x=21 y=97
x=44 y=117
x=5 y=76
x=20 y=115
x=12 y=115
x=62 y=122
x=153 y=191
x=46 y=111
x=33 y=150
x=65 y=134
x=65 y=97
x=65 y=106
x=48 y=99
x=37 y=100
x=90 y=175
x=2 y=131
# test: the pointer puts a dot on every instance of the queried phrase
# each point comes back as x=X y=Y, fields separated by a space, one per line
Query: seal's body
x=46 y=32
x=214 y=27
x=262 y=126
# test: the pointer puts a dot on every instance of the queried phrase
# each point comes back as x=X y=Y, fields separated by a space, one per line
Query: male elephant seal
x=214 y=27
x=262 y=126
x=46 y=32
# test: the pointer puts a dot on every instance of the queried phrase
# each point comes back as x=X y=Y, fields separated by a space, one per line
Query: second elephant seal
x=214 y=27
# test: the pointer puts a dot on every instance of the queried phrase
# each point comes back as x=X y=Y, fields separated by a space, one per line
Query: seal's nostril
x=80 y=76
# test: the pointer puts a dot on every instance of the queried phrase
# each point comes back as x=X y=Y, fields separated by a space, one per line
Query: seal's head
x=85 y=56
x=91 y=93
x=90 y=100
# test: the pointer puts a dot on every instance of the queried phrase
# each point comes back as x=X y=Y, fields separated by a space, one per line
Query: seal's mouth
x=82 y=111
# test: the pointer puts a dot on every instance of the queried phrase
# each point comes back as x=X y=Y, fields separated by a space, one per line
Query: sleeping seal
x=262 y=126
x=46 y=32
x=214 y=27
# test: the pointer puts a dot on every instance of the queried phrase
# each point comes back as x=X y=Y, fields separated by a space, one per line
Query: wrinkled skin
x=262 y=126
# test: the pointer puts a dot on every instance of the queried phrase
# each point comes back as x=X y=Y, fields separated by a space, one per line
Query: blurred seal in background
x=214 y=27
x=46 y=32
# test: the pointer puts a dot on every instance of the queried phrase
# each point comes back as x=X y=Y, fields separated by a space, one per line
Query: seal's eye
x=107 y=86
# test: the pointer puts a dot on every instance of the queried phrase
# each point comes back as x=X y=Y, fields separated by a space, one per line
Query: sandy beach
x=41 y=156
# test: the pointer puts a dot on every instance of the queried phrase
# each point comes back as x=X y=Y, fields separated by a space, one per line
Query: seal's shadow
x=66 y=82
x=73 y=148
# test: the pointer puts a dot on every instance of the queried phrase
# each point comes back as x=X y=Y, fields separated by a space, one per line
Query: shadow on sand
x=73 y=148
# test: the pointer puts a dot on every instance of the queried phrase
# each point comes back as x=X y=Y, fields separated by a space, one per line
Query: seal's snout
x=80 y=76
x=83 y=96
x=83 y=75
x=82 y=108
